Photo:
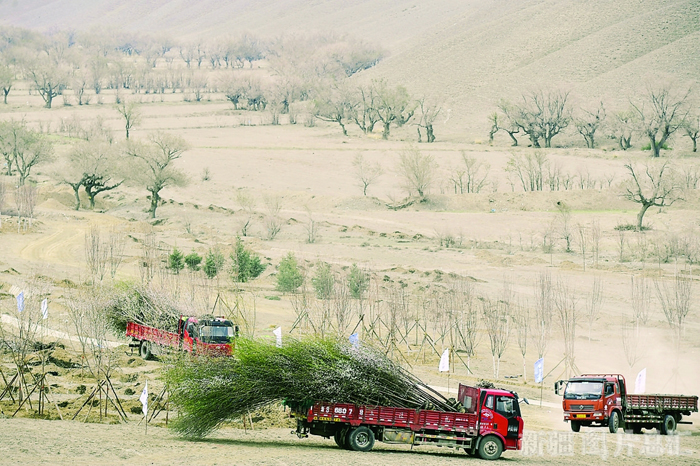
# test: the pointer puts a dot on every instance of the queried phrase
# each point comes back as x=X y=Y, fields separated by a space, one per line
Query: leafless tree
x=594 y=303
x=567 y=312
x=641 y=300
x=93 y=165
x=149 y=254
x=417 y=171
x=630 y=343
x=624 y=125
x=544 y=311
x=247 y=203
x=497 y=316
x=505 y=122
x=692 y=129
x=595 y=236
x=3 y=193
x=130 y=113
x=428 y=113
x=364 y=109
x=521 y=319
x=273 y=221
x=588 y=123
x=334 y=104
x=115 y=250
x=542 y=114
x=676 y=300
x=653 y=185
x=155 y=164
x=475 y=174
x=367 y=173
x=392 y=105
x=564 y=221
x=529 y=168
x=48 y=79
x=466 y=315
x=7 y=80
x=661 y=114
x=25 y=199
x=583 y=241
x=23 y=148
x=96 y=253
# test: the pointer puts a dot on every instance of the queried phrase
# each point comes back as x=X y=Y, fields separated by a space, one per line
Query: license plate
x=579 y=416
x=324 y=418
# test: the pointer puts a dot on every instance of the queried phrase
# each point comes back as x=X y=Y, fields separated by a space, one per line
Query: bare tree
x=428 y=113
x=624 y=125
x=96 y=253
x=116 y=243
x=334 y=104
x=654 y=185
x=25 y=199
x=641 y=304
x=48 y=78
x=544 y=310
x=23 y=148
x=541 y=115
x=131 y=114
x=497 y=315
x=273 y=221
x=475 y=174
x=588 y=123
x=93 y=165
x=366 y=173
x=505 y=122
x=691 y=128
x=661 y=114
x=364 y=109
x=417 y=171
x=7 y=79
x=521 y=319
x=676 y=300
x=567 y=312
x=392 y=105
x=594 y=303
x=466 y=318
x=155 y=164
x=529 y=168
x=630 y=343
x=3 y=194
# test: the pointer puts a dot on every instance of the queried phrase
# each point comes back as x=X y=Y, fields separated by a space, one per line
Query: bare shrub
x=366 y=173
x=417 y=171
x=676 y=300
x=273 y=221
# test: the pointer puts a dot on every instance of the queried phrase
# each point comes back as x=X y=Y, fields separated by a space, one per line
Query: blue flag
x=20 y=301
x=355 y=340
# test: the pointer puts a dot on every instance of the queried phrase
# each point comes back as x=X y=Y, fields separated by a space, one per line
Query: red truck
x=599 y=400
x=490 y=423
x=207 y=335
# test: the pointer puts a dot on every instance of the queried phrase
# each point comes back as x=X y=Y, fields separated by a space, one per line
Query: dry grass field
x=469 y=54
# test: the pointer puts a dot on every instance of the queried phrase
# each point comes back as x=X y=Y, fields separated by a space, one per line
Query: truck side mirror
x=559 y=386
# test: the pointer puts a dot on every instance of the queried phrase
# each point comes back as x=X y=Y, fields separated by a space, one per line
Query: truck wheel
x=490 y=448
x=145 y=350
x=361 y=439
x=575 y=426
x=614 y=422
x=341 y=438
x=668 y=426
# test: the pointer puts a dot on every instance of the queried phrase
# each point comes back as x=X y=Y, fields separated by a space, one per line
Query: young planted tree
x=176 y=261
x=289 y=275
x=193 y=261
x=544 y=311
x=521 y=319
x=641 y=300
x=323 y=281
x=96 y=254
x=676 y=298
x=130 y=113
x=662 y=112
x=653 y=185
x=594 y=303
x=496 y=318
x=366 y=173
x=567 y=312
x=417 y=171
x=476 y=174
x=155 y=164
x=245 y=264
x=213 y=263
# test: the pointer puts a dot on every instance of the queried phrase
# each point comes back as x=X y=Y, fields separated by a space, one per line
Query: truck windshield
x=583 y=390
x=216 y=334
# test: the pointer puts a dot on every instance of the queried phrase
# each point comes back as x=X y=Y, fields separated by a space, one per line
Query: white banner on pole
x=144 y=399
x=278 y=334
x=539 y=370
x=45 y=309
x=20 y=301
x=355 y=340
x=640 y=384
x=445 y=361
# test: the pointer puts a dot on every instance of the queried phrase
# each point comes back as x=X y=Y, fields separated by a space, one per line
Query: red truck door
x=500 y=414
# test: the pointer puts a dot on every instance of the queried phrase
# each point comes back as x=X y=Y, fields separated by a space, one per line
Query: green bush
x=176 y=261
x=213 y=263
x=246 y=265
x=289 y=276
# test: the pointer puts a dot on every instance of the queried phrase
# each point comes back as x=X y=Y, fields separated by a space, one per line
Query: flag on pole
x=45 y=308
x=539 y=370
x=278 y=334
x=355 y=340
x=144 y=399
x=20 y=301
x=445 y=361
x=640 y=384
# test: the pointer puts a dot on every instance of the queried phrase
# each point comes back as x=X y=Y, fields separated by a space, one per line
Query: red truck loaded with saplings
x=487 y=423
x=204 y=335
x=599 y=400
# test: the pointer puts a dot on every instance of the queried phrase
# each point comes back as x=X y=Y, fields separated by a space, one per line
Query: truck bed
x=416 y=420
x=663 y=402
x=155 y=335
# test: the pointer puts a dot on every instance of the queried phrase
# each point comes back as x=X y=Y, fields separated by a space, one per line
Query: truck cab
x=212 y=334
x=500 y=416
x=593 y=399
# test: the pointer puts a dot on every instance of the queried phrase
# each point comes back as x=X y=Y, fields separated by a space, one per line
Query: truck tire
x=614 y=422
x=145 y=350
x=668 y=426
x=576 y=426
x=341 y=438
x=360 y=439
x=490 y=448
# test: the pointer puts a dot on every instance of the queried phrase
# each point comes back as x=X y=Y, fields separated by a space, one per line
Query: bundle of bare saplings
x=144 y=305
x=211 y=391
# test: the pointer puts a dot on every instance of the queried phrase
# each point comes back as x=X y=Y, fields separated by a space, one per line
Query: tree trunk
x=49 y=99
x=345 y=131
x=5 y=91
x=385 y=133
x=76 y=190
x=431 y=134
x=154 y=203
x=640 y=216
x=512 y=136
x=420 y=136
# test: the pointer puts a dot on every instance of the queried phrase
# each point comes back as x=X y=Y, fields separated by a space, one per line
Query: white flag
x=445 y=361
x=144 y=399
x=539 y=369
x=278 y=334
x=45 y=308
x=20 y=301
x=640 y=384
